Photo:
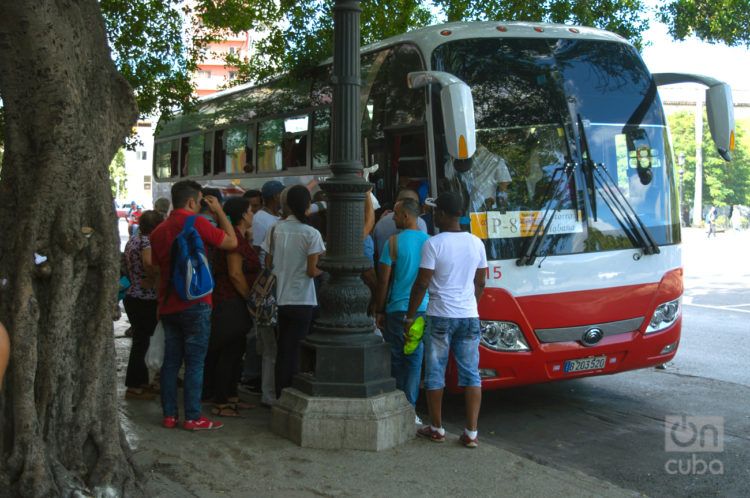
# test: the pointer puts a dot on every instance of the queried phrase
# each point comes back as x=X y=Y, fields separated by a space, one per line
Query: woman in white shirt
x=293 y=248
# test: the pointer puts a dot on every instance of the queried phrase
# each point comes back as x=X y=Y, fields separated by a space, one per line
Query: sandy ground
x=245 y=459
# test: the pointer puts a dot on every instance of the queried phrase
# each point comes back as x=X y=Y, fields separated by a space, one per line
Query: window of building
x=146 y=182
x=232 y=75
x=141 y=155
x=204 y=74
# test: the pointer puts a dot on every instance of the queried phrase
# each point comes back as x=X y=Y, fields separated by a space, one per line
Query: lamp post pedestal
x=344 y=396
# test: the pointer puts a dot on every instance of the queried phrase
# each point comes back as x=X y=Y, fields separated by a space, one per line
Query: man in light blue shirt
x=386 y=226
x=402 y=250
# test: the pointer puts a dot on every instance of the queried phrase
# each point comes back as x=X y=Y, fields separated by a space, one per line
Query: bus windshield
x=530 y=95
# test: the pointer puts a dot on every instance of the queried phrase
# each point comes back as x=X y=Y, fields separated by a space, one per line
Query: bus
x=556 y=139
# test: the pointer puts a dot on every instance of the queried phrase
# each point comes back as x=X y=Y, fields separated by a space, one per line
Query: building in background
x=213 y=74
x=138 y=166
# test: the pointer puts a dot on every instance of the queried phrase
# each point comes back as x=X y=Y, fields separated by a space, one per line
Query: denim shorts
x=459 y=336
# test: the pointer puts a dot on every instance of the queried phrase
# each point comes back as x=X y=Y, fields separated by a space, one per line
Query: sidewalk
x=245 y=459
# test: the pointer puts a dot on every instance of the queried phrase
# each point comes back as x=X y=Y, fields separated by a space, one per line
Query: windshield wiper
x=597 y=175
x=530 y=248
x=552 y=200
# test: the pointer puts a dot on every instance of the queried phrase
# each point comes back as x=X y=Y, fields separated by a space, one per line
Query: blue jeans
x=186 y=337
x=404 y=368
x=459 y=336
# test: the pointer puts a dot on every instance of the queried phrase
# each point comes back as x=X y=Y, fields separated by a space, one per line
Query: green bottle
x=415 y=335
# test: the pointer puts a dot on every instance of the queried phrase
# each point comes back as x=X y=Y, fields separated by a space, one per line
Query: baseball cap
x=450 y=203
x=271 y=188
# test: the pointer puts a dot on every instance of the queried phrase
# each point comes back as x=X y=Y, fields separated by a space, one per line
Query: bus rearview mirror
x=720 y=112
x=719 y=107
x=458 y=117
x=458 y=112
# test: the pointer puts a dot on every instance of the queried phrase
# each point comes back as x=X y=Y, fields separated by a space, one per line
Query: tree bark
x=67 y=111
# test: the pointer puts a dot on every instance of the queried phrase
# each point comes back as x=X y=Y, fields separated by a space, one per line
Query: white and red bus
x=571 y=182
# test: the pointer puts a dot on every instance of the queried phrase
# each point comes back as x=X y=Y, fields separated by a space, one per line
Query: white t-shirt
x=262 y=221
x=455 y=257
x=293 y=243
x=489 y=171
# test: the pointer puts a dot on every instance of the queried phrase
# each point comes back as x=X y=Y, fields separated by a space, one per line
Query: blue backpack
x=191 y=273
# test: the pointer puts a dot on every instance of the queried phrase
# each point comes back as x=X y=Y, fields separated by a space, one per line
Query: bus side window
x=208 y=141
x=321 y=138
x=294 y=142
x=269 y=145
x=184 y=149
x=194 y=160
x=219 y=152
x=236 y=151
x=166 y=159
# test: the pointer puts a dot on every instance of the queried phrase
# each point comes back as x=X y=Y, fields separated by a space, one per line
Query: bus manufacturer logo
x=592 y=336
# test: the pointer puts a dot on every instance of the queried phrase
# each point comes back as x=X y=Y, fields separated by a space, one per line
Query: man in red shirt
x=187 y=324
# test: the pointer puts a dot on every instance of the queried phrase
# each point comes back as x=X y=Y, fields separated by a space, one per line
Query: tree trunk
x=67 y=110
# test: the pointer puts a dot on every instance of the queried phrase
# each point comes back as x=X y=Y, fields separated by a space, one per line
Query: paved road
x=613 y=427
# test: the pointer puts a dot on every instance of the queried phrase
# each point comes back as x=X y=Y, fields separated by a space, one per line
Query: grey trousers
x=267 y=348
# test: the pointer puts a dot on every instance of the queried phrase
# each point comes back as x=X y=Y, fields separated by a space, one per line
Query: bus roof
x=428 y=38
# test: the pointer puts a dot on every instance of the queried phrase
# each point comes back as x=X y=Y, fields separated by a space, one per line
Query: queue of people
x=273 y=235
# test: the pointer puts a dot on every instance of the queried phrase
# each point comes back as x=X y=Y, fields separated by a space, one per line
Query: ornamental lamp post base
x=372 y=424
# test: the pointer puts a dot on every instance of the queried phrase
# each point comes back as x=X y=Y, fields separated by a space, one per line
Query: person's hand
x=380 y=320
x=407 y=325
x=213 y=204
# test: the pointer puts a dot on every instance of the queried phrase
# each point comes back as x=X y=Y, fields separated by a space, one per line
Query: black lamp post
x=343 y=357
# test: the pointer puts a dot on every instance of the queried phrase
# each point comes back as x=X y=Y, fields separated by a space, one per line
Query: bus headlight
x=502 y=336
x=664 y=315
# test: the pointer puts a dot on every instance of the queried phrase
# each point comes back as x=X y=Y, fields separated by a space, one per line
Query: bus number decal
x=493 y=272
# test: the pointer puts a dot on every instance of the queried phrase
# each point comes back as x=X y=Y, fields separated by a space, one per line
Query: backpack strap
x=189 y=222
x=393 y=248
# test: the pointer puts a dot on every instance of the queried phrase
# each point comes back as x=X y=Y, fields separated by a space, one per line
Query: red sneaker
x=169 y=422
x=467 y=441
x=428 y=433
x=202 y=424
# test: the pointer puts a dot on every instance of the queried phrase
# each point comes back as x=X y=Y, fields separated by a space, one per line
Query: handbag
x=262 y=302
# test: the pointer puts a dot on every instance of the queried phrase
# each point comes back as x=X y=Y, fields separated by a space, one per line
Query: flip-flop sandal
x=241 y=405
x=226 y=411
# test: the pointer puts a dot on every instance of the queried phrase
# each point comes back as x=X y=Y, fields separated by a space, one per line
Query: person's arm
x=371 y=281
x=381 y=292
x=480 y=277
x=152 y=271
x=234 y=269
x=312 y=265
x=418 y=291
x=230 y=240
x=369 y=215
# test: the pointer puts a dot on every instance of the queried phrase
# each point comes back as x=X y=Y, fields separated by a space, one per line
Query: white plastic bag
x=155 y=354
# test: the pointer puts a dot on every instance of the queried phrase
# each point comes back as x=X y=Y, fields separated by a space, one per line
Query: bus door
x=407 y=161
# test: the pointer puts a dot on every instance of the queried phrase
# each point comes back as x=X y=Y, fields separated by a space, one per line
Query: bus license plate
x=593 y=363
